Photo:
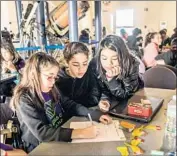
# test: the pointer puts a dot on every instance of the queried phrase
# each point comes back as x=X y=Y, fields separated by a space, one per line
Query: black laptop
x=119 y=109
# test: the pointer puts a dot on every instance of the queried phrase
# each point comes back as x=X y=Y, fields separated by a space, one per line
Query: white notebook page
x=109 y=132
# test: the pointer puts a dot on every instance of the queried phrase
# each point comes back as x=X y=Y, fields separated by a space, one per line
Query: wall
x=8 y=15
x=157 y=11
x=4 y=16
x=8 y=11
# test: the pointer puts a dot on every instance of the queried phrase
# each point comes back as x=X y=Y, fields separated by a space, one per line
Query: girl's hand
x=11 y=66
x=85 y=133
x=104 y=105
x=105 y=119
x=113 y=72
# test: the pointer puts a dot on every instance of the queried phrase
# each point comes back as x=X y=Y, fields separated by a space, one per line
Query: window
x=124 y=18
x=4 y=15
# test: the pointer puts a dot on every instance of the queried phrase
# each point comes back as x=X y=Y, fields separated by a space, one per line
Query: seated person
x=170 y=57
x=174 y=34
x=165 y=39
x=84 y=37
x=76 y=81
x=39 y=106
x=124 y=34
x=134 y=42
x=151 y=50
x=11 y=62
x=117 y=71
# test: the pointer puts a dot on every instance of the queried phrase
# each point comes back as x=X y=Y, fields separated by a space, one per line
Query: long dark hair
x=10 y=48
x=125 y=58
x=149 y=37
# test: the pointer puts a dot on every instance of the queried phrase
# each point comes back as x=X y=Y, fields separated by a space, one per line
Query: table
x=8 y=77
x=153 y=141
x=16 y=152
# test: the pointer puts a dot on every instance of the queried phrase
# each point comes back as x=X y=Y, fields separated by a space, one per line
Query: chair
x=169 y=67
x=160 y=77
x=5 y=111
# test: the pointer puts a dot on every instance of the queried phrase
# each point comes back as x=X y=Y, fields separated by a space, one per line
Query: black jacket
x=165 y=42
x=168 y=57
x=135 y=46
x=34 y=124
x=83 y=92
x=132 y=43
x=120 y=88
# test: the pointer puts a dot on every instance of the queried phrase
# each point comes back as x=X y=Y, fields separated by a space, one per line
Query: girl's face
x=6 y=55
x=48 y=77
x=157 y=39
x=78 y=65
x=109 y=59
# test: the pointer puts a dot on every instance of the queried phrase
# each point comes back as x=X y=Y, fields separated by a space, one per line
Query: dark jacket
x=168 y=57
x=84 y=39
x=132 y=43
x=84 y=90
x=135 y=45
x=80 y=93
x=166 y=42
x=34 y=123
x=120 y=88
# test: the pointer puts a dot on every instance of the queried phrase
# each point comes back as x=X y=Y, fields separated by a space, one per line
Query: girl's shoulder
x=26 y=95
x=27 y=99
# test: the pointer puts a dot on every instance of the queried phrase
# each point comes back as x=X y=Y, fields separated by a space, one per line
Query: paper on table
x=109 y=132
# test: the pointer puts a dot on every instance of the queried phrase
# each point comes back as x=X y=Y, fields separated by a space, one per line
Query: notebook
x=109 y=132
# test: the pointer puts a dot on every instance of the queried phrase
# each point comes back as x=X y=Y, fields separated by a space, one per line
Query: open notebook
x=109 y=132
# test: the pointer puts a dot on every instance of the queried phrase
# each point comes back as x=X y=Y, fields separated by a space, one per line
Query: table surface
x=16 y=152
x=153 y=141
x=7 y=77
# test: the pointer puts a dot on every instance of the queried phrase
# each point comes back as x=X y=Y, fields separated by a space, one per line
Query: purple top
x=53 y=111
x=20 y=64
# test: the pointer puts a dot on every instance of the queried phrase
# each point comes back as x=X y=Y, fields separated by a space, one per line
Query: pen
x=90 y=118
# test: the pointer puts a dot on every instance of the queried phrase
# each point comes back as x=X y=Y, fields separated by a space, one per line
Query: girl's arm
x=76 y=109
x=46 y=133
x=41 y=131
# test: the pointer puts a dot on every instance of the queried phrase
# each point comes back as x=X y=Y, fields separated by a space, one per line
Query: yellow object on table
x=153 y=127
x=138 y=131
x=136 y=141
x=123 y=151
x=135 y=149
x=127 y=126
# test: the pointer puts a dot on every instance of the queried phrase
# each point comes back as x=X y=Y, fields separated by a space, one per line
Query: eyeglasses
x=50 y=78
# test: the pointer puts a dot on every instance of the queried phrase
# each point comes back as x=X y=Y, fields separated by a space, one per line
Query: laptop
x=119 y=109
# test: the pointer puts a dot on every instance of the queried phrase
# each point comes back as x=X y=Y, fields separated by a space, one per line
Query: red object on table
x=141 y=110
